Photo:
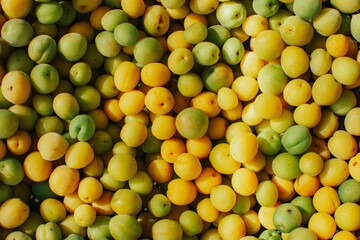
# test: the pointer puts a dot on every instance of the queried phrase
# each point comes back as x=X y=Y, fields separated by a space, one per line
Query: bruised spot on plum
x=161 y=20
x=83 y=7
x=354 y=164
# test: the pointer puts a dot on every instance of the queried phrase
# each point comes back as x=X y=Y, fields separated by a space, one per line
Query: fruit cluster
x=179 y=119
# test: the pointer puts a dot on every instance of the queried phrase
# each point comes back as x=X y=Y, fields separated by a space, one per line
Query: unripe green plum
x=42 y=49
x=87 y=97
x=272 y=79
x=287 y=217
x=113 y=18
x=44 y=78
x=49 y=12
x=159 y=205
x=266 y=8
x=19 y=60
x=48 y=231
x=206 y=53
x=101 y=142
x=267 y=193
x=72 y=46
x=218 y=35
x=125 y=227
x=68 y=16
x=31 y=224
x=80 y=74
x=82 y=127
x=9 y=123
x=65 y=106
x=307 y=9
x=269 y=235
x=49 y=124
x=42 y=190
x=286 y=166
x=26 y=115
x=349 y=191
x=17 y=32
x=232 y=51
x=47 y=29
x=195 y=33
x=5 y=192
x=18 y=235
x=167 y=229
x=93 y=57
x=301 y=233
x=304 y=204
x=269 y=142
x=231 y=14
x=217 y=76
x=11 y=172
x=100 y=228
x=148 y=50
x=191 y=223
x=126 y=34
x=296 y=139
x=192 y=123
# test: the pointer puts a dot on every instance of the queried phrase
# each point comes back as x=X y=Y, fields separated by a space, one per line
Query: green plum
x=65 y=106
x=113 y=18
x=217 y=76
x=45 y=29
x=191 y=223
x=218 y=35
x=68 y=16
x=88 y=97
x=106 y=44
x=110 y=183
x=17 y=32
x=159 y=205
x=82 y=127
x=141 y=183
x=48 y=231
x=9 y=123
x=42 y=104
x=269 y=235
x=304 y=204
x=93 y=57
x=74 y=236
x=206 y=53
x=151 y=144
x=72 y=46
x=125 y=227
x=190 y=84
x=126 y=34
x=278 y=19
x=49 y=12
x=355 y=26
x=11 y=172
x=49 y=124
x=296 y=139
x=345 y=103
x=307 y=9
x=242 y=205
x=31 y=224
x=101 y=142
x=148 y=50
x=266 y=8
x=167 y=229
x=100 y=228
x=42 y=49
x=286 y=166
x=4 y=104
x=80 y=73
x=44 y=78
x=267 y=193
x=231 y=14
x=112 y=3
x=42 y=190
x=192 y=123
x=173 y=3
x=345 y=25
x=26 y=115
x=232 y=51
x=287 y=217
x=106 y=86
x=18 y=235
x=5 y=192
x=272 y=79
x=301 y=233
x=349 y=191
x=19 y=60
x=269 y=142
x=195 y=33
x=69 y=139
